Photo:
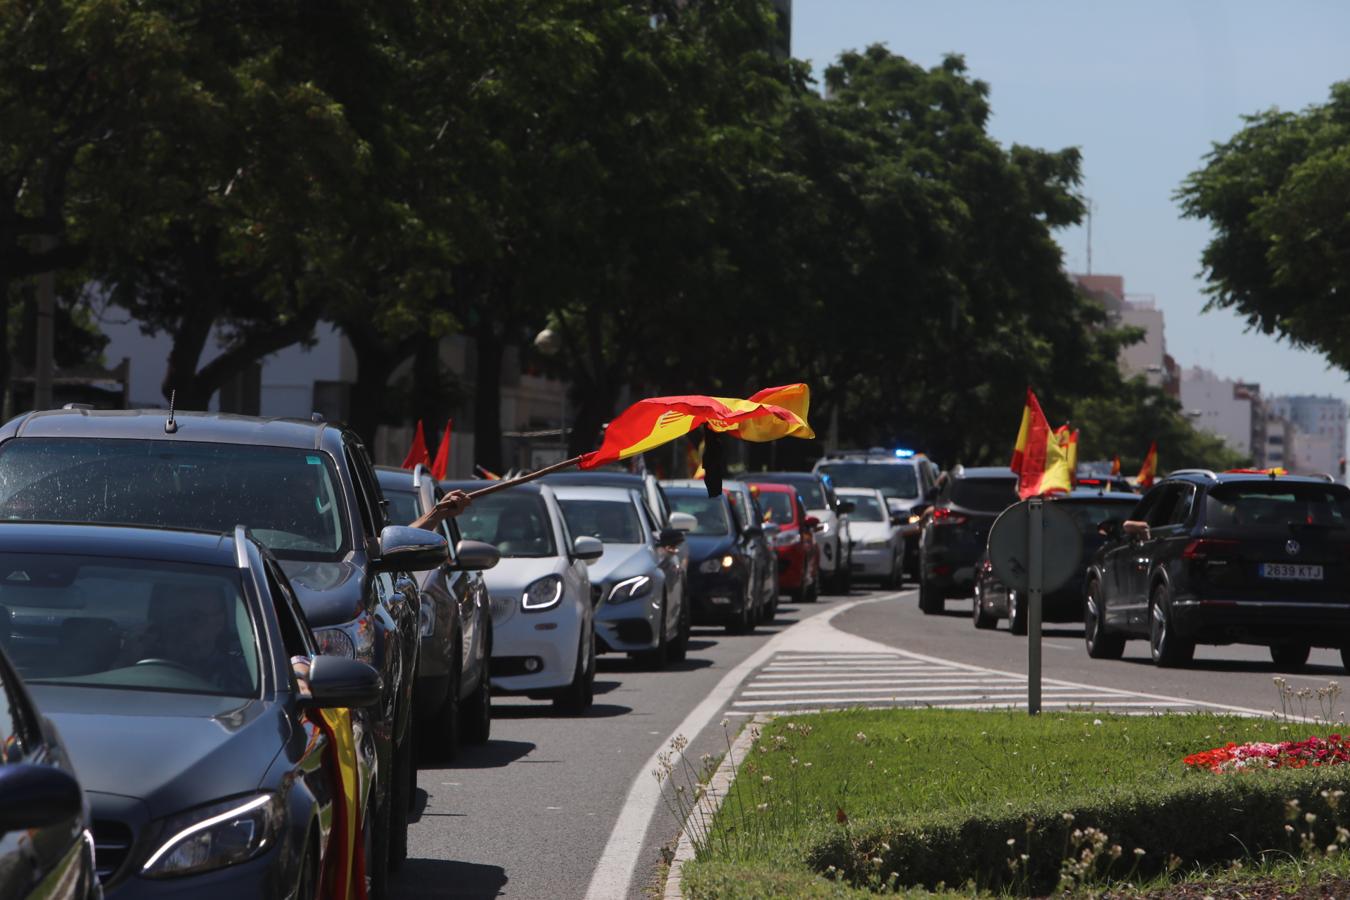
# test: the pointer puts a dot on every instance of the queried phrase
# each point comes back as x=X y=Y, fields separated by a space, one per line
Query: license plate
x=1290 y=572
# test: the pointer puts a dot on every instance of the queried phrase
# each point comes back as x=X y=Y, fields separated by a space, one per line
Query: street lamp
x=550 y=343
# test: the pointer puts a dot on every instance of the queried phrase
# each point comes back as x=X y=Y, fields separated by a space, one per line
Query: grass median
x=883 y=800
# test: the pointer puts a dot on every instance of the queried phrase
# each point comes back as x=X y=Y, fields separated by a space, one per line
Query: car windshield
x=127 y=623
x=710 y=512
x=984 y=494
x=287 y=497
x=403 y=508
x=813 y=494
x=866 y=508
x=1088 y=515
x=518 y=524
x=893 y=480
x=612 y=521
x=1277 y=505
x=777 y=507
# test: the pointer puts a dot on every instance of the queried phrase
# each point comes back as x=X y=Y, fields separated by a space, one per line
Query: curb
x=718 y=787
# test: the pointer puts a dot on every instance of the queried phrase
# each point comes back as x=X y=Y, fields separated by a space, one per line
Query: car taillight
x=943 y=516
x=1205 y=548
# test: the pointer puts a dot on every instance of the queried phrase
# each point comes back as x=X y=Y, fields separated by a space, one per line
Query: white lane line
x=831 y=682
x=614 y=871
x=926 y=690
x=912 y=701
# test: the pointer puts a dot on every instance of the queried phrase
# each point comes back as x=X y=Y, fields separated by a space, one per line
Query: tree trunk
x=376 y=360
x=180 y=375
x=487 y=407
x=594 y=405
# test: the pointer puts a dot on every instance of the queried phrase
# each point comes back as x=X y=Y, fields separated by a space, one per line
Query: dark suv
x=306 y=489
x=956 y=529
x=1224 y=559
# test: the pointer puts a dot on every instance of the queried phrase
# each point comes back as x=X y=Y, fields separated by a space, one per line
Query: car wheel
x=1345 y=658
x=1101 y=644
x=1290 y=657
x=477 y=713
x=441 y=740
x=1017 y=613
x=577 y=697
x=659 y=658
x=896 y=577
x=930 y=601
x=1166 y=647
x=679 y=648
x=983 y=618
x=400 y=800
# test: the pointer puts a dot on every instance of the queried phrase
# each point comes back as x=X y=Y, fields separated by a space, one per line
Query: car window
x=983 y=494
x=1277 y=505
x=710 y=512
x=100 y=622
x=404 y=507
x=367 y=489
x=1088 y=515
x=612 y=521
x=288 y=497
x=16 y=732
x=866 y=508
x=777 y=507
x=1160 y=513
x=892 y=479
x=295 y=635
x=517 y=524
x=1181 y=508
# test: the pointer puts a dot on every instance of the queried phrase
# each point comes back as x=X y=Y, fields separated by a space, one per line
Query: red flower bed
x=1329 y=751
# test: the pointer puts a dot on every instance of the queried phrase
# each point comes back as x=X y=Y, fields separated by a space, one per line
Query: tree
x=1277 y=196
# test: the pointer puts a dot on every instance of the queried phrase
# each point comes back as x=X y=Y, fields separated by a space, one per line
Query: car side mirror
x=670 y=537
x=811 y=523
x=475 y=556
x=754 y=530
x=846 y=507
x=899 y=518
x=33 y=796
x=683 y=521
x=335 y=681
x=411 y=549
x=587 y=548
x=1109 y=529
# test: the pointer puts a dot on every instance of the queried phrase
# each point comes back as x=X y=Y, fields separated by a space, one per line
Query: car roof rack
x=1204 y=473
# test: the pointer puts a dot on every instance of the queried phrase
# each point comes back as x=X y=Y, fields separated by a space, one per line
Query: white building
x=1147 y=357
x=1221 y=406
x=1319 y=432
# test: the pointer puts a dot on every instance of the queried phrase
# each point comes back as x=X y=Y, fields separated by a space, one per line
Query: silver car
x=878 y=536
x=543 y=636
x=638 y=588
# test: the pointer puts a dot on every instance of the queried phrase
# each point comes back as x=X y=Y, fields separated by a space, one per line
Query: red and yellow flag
x=1040 y=460
x=1115 y=466
x=770 y=414
x=693 y=454
x=1068 y=442
x=1149 y=470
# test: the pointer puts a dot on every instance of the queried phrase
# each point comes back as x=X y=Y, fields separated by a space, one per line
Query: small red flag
x=441 y=464
x=417 y=453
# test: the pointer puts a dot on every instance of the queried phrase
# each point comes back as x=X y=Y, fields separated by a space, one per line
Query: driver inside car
x=188 y=628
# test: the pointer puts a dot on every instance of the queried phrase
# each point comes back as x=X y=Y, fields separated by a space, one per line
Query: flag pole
x=502 y=485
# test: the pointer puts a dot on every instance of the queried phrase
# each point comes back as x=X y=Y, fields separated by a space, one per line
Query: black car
x=722 y=585
x=453 y=697
x=166 y=660
x=46 y=847
x=755 y=537
x=956 y=529
x=1224 y=559
x=994 y=600
x=306 y=489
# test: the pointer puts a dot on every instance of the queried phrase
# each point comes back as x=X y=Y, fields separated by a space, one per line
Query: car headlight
x=545 y=593
x=785 y=538
x=826 y=528
x=215 y=836
x=355 y=640
x=717 y=564
x=630 y=589
x=914 y=518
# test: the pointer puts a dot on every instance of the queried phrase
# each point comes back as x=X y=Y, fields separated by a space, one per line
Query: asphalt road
x=533 y=813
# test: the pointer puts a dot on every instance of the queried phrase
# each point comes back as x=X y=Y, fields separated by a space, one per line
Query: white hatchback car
x=543 y=637
x=878 y=536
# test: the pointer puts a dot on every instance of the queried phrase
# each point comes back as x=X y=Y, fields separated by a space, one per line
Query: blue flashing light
x=903 y=454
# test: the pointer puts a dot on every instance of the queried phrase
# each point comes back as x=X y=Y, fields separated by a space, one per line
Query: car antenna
x=170 y=426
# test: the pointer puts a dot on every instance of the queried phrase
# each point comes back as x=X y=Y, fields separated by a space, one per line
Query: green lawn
x=936 y=796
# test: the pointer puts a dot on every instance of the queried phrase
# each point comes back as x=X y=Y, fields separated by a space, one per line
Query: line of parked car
x=220 y=641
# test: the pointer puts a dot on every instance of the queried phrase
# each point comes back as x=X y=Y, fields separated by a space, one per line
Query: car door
x=1118 y=562
x=1165 y=519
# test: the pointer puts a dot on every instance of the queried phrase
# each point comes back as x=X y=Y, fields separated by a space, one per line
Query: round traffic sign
x=1061 y=546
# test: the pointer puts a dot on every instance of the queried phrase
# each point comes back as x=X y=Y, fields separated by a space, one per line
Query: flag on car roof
x=441 y=464
x=1039 y=459
x=1115 y=466
x=417 y=453
x=768 y=415
x=1149 y=470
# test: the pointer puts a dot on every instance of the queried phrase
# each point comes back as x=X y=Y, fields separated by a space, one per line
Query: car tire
x=659 y=658
x=1345 y=658
x=400 y=799
x=744 y=622
x=1290 y=657
x=931 y=602
x=441 y=740
x=679 y=648
x=1165 y=646
x=896 y=577
x=578 y=696
x=983 y=619
x=1017 y=614
x=1101 y=644
x=476 y=715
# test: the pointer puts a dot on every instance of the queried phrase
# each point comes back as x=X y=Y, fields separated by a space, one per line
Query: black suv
x=306 y=490
x=1231 y=558
x=956 y=529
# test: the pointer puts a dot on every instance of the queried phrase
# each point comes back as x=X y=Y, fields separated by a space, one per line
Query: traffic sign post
x=1034 y=547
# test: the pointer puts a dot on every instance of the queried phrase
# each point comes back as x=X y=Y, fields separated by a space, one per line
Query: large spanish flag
x=1149 y=470
x=1039 y=459
x=770 y=414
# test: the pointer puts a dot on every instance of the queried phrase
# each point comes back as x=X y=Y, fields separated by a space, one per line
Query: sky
x=1143 y=89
